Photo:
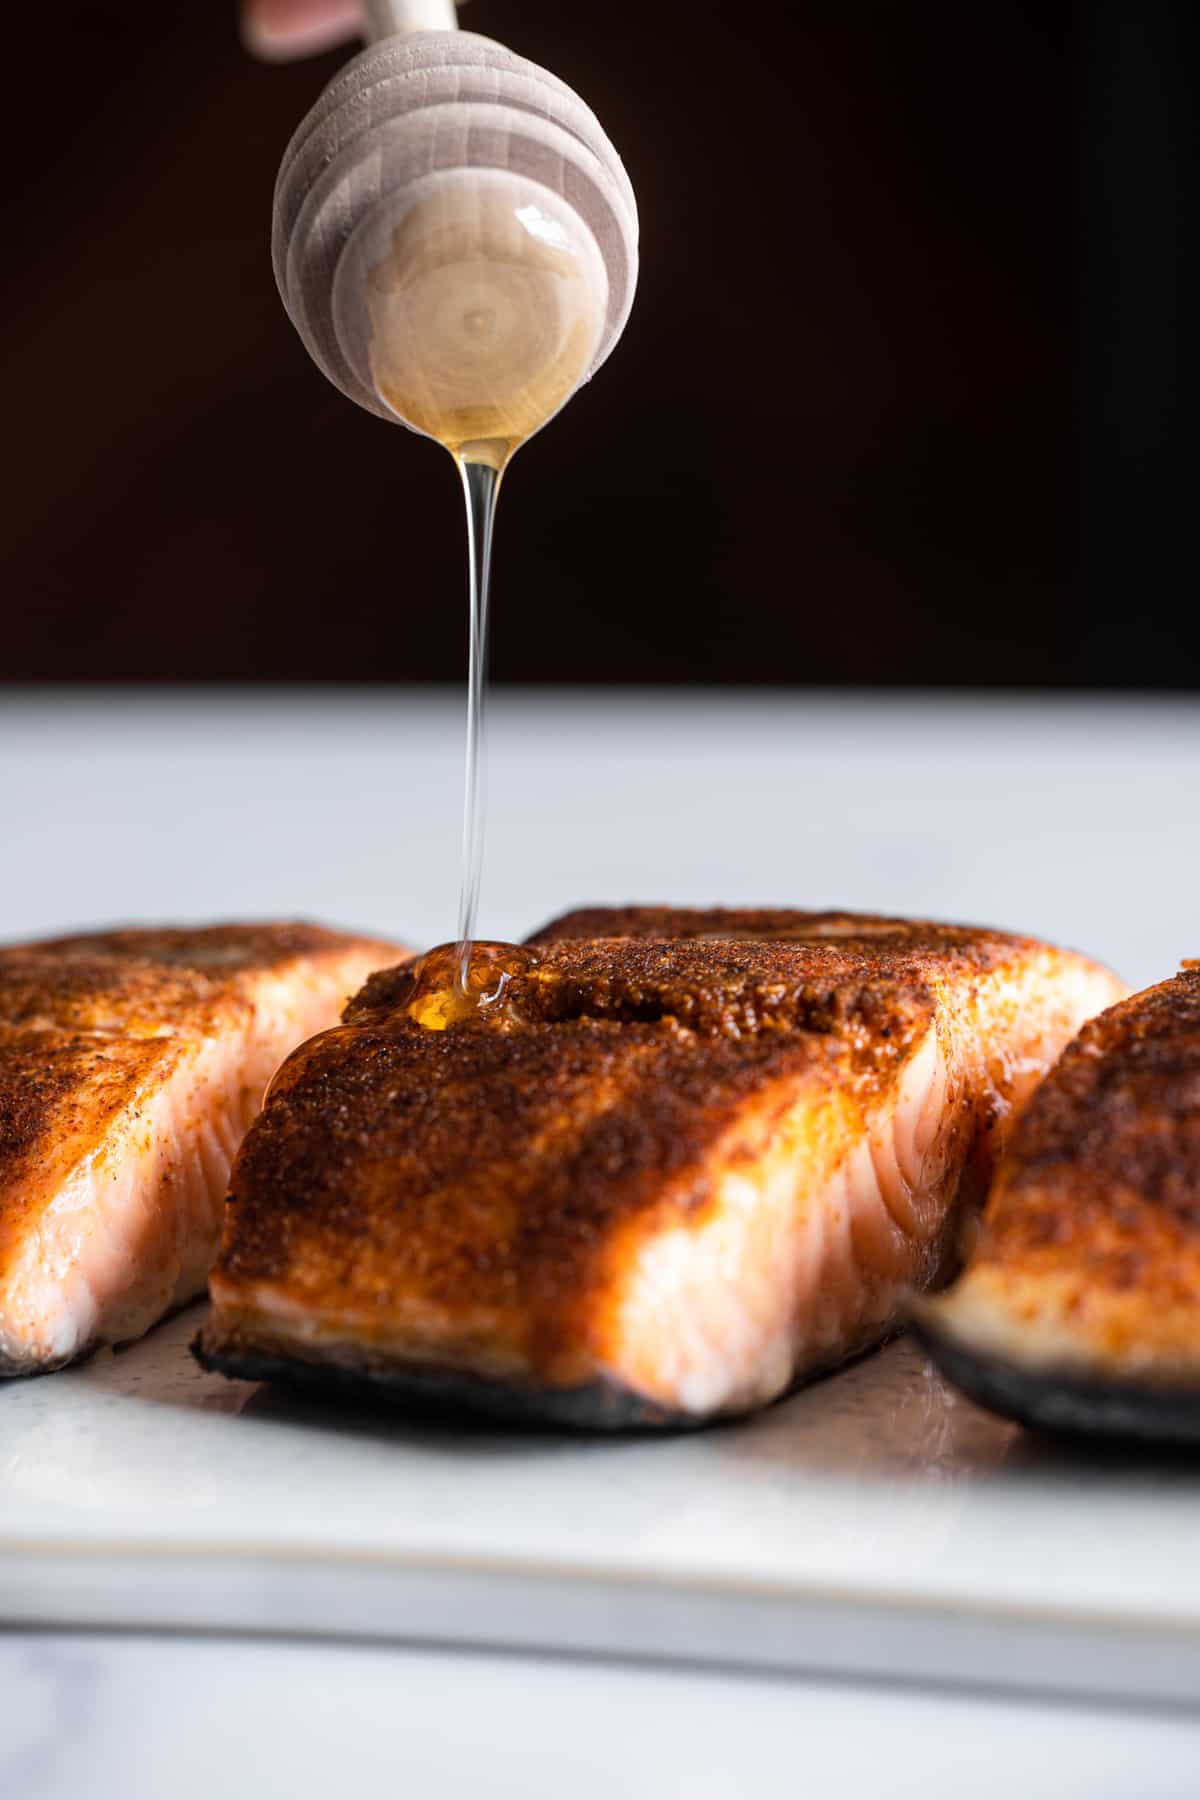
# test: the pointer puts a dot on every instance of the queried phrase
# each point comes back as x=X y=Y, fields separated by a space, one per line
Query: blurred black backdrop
x=903 y=399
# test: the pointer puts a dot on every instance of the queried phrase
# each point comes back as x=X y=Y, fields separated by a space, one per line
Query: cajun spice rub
x=1080 y=1308
x=131 y=1063
x=683 y=1161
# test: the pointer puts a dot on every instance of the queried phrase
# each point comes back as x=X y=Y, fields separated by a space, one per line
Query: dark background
x=903 y=398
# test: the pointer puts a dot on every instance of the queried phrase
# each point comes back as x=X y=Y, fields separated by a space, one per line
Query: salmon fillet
x=131 y=1063
x=685 y=1160
x=1080 y=1307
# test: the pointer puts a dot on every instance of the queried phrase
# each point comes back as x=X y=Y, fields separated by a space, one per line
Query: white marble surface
x=148 y=1718
x=1075 y=819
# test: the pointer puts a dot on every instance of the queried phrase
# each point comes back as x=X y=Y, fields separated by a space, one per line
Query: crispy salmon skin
x=683 y=1161
x=1080 y=1307
x=131 y=1063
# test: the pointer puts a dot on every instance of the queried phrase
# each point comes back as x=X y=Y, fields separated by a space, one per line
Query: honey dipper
x=455 y=238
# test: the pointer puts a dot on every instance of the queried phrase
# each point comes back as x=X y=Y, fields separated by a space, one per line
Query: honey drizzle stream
x=487 y=305
x=481 y=473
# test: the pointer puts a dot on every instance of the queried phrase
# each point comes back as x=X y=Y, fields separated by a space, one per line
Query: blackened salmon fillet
x=1080 y=1306
x=684 y=1160
x=131 y=1063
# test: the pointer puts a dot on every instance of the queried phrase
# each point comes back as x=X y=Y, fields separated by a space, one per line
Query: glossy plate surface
x=877 y=1523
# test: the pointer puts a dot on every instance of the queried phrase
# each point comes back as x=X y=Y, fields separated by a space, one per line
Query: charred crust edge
x=1065 y=1402
x=438 y=1391
x=597 y=1406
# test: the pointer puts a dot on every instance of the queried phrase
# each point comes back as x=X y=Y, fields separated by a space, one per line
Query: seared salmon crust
x=131 y=1063
x=1080 y=1308
x=687 y=1159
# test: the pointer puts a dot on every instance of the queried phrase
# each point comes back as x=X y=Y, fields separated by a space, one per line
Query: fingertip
x=282 y=30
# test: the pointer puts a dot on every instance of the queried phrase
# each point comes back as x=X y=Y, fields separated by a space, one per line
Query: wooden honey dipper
x=455 y=238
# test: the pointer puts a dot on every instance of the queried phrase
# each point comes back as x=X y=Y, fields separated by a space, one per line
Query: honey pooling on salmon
x=486 y=313
x=443 y=994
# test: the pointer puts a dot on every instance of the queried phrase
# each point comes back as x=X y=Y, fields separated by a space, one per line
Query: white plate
x=875 y=1524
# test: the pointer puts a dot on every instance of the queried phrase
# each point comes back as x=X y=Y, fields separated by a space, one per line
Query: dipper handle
x=394 y=18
